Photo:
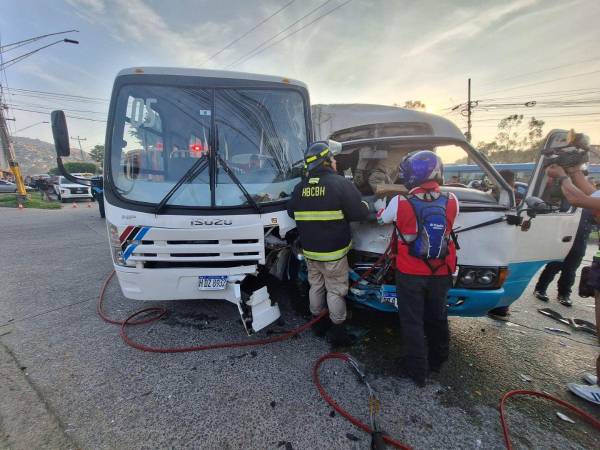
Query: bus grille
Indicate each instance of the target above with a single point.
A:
(161, 247)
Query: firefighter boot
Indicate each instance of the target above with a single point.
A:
(338, 336)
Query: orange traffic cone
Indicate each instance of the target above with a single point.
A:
(74, 205)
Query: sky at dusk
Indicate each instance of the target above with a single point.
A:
(378, 51)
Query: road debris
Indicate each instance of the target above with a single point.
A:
(557, 330)
(564, 417)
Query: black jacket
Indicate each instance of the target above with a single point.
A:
(323, 205)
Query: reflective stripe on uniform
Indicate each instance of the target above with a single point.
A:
(320, 155)
(319, 215)
(327, 256)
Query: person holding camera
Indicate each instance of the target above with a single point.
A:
(568, 267)
(581, 193)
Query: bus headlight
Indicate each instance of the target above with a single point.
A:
(115, 245)
(470, 277)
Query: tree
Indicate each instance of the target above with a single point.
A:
(97, 153)
(76, 167)
(415, 104)
(508, 132)
(535, 135)
(513, 144)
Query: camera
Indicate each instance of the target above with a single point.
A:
(574, 152)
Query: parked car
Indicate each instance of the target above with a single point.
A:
(67, 190)
(10, 187)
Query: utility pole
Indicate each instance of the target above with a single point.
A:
(9, 154)
(79, 139)
(468, 133)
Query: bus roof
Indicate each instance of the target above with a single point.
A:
(207, 73)
(328, 119)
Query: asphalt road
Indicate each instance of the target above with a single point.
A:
(84, 388)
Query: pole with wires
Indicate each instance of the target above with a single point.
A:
(79, 139)
(9, 154)
(468, 133)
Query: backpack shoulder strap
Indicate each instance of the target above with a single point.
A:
(408, 198)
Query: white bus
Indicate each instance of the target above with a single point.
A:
(199, 165)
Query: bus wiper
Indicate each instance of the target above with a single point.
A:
(239, 184)
(191, 173)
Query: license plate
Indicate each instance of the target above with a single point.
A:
(212, 282)
(390, 299)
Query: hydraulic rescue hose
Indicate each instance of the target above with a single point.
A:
(341, 411)
(588, 418)
(156, 313)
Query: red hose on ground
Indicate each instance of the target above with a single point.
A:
(595, 423)
(160, 312)
(156, 313)
(341, 411)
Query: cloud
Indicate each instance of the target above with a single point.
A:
(136, 23)
(530, 15)
(471, 26)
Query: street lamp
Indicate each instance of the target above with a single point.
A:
(15, 45)
(5, 142)
(10, 62)
(32, 125)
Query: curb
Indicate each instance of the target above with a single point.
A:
(26, 420)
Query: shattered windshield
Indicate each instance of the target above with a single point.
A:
(159, 132)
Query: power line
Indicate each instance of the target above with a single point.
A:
(52, 108)
(246, 56)
(541, 71)
(15, 60)
(543, 82)
(54, 99)
(57, 94)
(70, 117)
(539, 117)
(3, 88)
(249, 31)
(566, 94)
(4, 48)
(299, 29)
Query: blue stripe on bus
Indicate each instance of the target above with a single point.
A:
(128, 251)
(141, 233)
(138, 237)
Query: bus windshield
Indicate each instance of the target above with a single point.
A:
(253, 137)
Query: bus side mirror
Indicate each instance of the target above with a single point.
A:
(60, 133)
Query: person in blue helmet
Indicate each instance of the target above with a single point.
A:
(425, 262)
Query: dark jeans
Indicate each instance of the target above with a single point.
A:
(567, 269)
(423, 315)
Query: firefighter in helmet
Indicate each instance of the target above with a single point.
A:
(323, 204)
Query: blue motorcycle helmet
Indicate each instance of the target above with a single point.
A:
(419, 167)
